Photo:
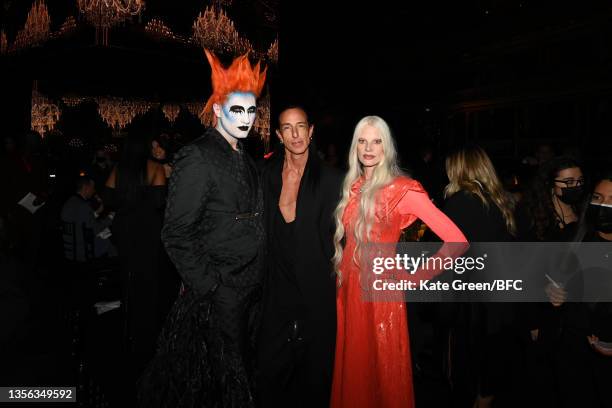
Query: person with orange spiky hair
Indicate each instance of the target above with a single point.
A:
(213, 232)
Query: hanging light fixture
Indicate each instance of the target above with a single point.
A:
(45, 114)
(215, 31)
(171, 112)
(105, 14)
(159, 29)
(36, 29)
(67, 27)
(76, 143)
(72, 101)
(195, 108)
(262, 123)
(3, 43)
(117, 113)
(272, 53)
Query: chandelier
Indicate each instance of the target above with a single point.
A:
(3, 43)
(76, 143)
(215, 31)
(36, 29)
(195, 108)
(67, 27)
(272, 53)
(262, 122)
(117, 113)
(44, 114)
(72, 101)
(171, 112)
(159, 29)
(104, 14)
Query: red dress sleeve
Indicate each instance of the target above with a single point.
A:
(415, 203)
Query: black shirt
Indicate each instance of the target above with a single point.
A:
(288, 299)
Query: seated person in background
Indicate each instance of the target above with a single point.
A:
(78, 212)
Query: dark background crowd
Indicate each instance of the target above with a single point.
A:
(530, 82)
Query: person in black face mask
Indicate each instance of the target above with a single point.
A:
(567, 194)
(599, 211)
(549, 210)
(583, 369)
(548, 213)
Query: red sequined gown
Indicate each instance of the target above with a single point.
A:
(372, 364)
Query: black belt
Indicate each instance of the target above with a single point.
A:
(244, 216)
(239, 216)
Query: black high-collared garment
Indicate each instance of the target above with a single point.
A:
(213, 229)
(213, 233)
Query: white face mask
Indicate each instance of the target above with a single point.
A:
(237, 115)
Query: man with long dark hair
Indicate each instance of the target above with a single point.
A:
(296, 346)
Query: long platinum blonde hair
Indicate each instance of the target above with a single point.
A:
(386, 170)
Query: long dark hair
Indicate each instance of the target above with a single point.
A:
(132, 166)
(538, 201)
(585, 225)
(169, 143)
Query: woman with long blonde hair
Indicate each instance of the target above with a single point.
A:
(478, 204)
(372, 363)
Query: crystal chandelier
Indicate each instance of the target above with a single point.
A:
(3, 43)
(36, 29)
(76, 143)
(215, 31)
(44, 114)
(72, 101)
(104, 14)
(171, 112)
(262, 122)
(272, 53)
(117, 113)
(195, 108)
(67, 27)
(157, 28)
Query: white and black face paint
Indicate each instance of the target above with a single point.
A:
(237, 114)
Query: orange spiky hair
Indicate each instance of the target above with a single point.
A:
(239, 77)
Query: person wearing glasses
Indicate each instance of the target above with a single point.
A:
(549, 212)
(583, 354)
(550, 207)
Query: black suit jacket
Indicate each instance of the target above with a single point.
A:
(213, 229)
(318, 196)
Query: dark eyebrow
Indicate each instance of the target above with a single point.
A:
(297, 123)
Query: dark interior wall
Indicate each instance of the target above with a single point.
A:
(16, 112)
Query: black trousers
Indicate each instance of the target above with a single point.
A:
(294, 366)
